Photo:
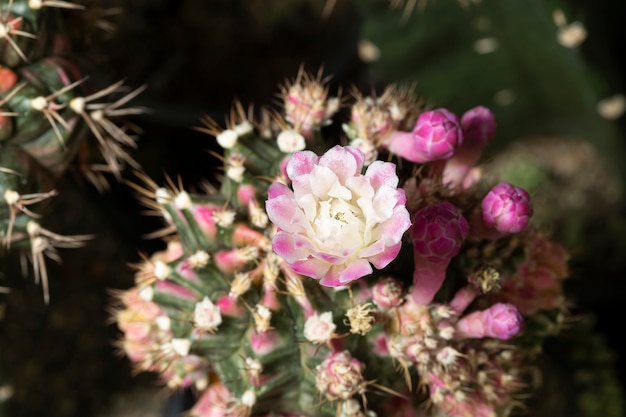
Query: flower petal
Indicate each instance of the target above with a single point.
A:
(301, 163)
(291, 247)
(342, 162)
(314, 268)
(382, 173)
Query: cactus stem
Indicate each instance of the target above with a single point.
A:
(8, 28)
(16, 202)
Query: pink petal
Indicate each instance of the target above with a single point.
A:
(314, 268)
(284, 213)
(340, 275)
(301, 163)
(342, 162)
(278, 189)
(382, 173)
(393, 229)
(384, 258)
(292, 247)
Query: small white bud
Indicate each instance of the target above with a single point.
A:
(244, 128)
(161, 270)
(319, 328)
(39, 103)
(290, 141)
(182, 201)
(248, 398)
(163, 196)
(224, 218)
(11, 197)
(235, 173)
(227, 139)
(207, 316)
(163, 323)
(146, 293)
(181, 346)
(199, 259)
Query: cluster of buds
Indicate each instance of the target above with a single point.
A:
(328, 282)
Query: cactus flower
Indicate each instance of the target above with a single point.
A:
(437, 233)
(501, 320)
(336, 221)
(436, 135)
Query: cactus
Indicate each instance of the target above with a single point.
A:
(49, 118)
(320, 279)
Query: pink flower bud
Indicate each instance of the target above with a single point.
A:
(436, 136)
(245, 194)
(387, 293)
(479, 126)
(438, 232)
(264, 342)
(501, 321)
(203, 214)
(506, 208)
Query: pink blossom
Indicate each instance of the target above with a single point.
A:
(335, 221)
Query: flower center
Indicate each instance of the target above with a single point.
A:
(338, 224)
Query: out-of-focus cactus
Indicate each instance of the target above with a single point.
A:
(48, 117)
(323, 280)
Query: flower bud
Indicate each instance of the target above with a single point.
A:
(479, 126)
(506, 208)
(501, 321)
(435, 137)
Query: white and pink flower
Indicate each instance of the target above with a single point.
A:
(336, 221)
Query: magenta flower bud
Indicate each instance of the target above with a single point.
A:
(479, 126)
(506, 208)
(501, 321)
(437, 233)
(436, 136)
